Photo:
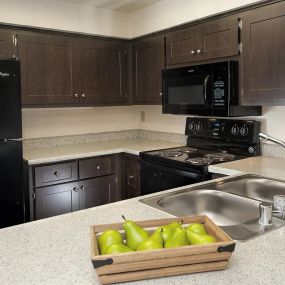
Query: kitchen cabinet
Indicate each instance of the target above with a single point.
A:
(131, 176)
(7, 43)
(102, 71)
(212, 39)
(263, 57)
(65, 187)
(65, 70)
(148, 61)
(48, 69)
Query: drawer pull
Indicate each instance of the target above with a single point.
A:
(56, 173)
(75, 189)
(83, 188)
(98, 167)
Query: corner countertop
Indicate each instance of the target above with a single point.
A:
(57, 251)
(259, 165)
(42, 155)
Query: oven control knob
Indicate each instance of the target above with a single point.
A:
(199, 127)
(234, 130)
(192, 126)
(244, 130)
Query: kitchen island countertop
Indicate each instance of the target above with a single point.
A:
(57, 251)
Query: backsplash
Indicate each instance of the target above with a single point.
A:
(267, 148)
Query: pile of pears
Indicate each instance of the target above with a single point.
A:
(138, 239)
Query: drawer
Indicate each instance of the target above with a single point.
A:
(55, 173)
(96, 166)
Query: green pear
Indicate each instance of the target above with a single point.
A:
(107, 238)
(134, 234)
(197, 228)
(195, 238)
(179, 238)
(168, 230)
(155, 241)
(117, 248)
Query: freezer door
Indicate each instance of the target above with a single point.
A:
(10, 100)
(11, 184)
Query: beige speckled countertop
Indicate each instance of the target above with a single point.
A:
(74, 151)
(57, 251)
(260, 165)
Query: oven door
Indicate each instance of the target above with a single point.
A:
(187, 91)
(155, 177)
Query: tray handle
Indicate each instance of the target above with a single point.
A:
(100, 263)
(227, 248)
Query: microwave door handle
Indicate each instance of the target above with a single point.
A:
(205, 89)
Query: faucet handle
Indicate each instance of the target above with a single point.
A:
(265, 213)
(279, 202)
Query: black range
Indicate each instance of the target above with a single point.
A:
(209, 141)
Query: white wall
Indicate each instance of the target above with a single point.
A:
(168, 13)
(73, 121)
(59, 15)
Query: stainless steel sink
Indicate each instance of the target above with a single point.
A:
(253, 187)
(232, 203)
(225, 209)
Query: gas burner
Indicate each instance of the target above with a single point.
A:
(199, 161)
(170, 153)
(220, 156)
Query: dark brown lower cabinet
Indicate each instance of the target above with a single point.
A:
(131, 176)
(56, 200)
(97, 191)
(70, 197)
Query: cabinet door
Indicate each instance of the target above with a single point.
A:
(263, 56)
(56, 200)
(149, 60)
(7, 47)
(218, 38)
(131, 173)
(48, 72)
(97, 191)
(102, 72)
(181, 46)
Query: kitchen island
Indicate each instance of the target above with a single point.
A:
(57, 251)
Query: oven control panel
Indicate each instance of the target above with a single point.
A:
(225, 129)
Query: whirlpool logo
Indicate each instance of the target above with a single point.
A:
(4, 74)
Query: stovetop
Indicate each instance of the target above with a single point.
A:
(210, 141)
(192, 156)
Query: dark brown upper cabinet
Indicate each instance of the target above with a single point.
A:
(148, 61)
(263, 56)
(213, 39)
(7, 43)
(48, 69)
(102, 72)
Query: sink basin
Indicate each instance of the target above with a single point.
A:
(253, 187)
(225, 209)
(232, 203)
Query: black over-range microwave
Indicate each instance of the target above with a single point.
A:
(205, 90)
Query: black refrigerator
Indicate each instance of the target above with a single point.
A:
(12, 205)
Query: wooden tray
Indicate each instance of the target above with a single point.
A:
(115, 268)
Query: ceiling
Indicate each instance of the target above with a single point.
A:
(124, 6)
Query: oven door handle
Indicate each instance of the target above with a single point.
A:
(205, 85)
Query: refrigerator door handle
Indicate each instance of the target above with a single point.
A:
(13, 140)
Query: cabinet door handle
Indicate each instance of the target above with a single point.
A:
(160, 94)
(193, 51)
(75, 189)
(56, 173)
(83, 188)
(98, 167)
(130, 179)
(199, 51)
(83, 95)
(76, 95)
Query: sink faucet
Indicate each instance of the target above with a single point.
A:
(269, 138)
